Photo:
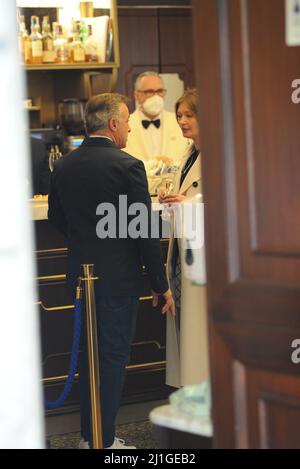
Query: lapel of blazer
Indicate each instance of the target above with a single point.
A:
(193, 175)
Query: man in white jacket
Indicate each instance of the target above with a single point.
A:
(154, 132)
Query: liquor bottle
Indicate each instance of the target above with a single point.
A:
(70, 40)
(109, 43)
(48, 43)
(27, 49)
(22, 37)
(55, 29)
(91, 47)
(83, 32)
(36, 41)
(77, 46)
(60, 46)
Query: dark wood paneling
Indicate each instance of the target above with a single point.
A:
(139, 46)
(274, 139)
(158, 39)
(175, 439)
(273, 409)
(266, 145)
(176, 44)
(250, 143)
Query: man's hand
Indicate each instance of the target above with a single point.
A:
(169, 302)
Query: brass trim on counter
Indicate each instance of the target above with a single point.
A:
(51, 277)
(141, 366)
(149, 342)
(54, 308)
(57, 379)
(144, 298)
(45, 251)
(145, 366)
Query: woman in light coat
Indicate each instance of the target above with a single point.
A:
(187, 335)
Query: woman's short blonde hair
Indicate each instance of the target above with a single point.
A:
(190, 98)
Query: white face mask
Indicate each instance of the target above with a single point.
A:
(153, 106)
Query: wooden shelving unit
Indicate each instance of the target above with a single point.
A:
(54, 82)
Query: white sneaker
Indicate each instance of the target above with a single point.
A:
(119, 444)
(83, 444)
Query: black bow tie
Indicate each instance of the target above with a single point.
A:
(146, 123)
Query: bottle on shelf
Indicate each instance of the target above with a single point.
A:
(91, 47)
(83, 32)
(70, 39)
(23, 39)
(48, 43)
(55, 29)
(36, 41)
(109, 44)
(78, 52)
(60, 46)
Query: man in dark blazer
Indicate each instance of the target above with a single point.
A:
(93, 176)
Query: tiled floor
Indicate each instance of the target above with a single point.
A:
(138, 434)
(69, 423)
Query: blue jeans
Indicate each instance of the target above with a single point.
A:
(116, 320)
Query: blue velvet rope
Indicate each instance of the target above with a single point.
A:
(73, 362)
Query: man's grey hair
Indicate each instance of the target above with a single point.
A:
(145, 74)
(100, 109)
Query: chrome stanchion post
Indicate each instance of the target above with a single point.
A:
(93, 356)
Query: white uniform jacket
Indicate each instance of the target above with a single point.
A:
(174, 145)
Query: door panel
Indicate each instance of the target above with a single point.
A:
(139, 46)
(176, 45)
(251, 147)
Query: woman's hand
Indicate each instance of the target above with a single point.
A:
(171, 198)
(169, 305)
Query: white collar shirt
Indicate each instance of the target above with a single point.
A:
(153, 136)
